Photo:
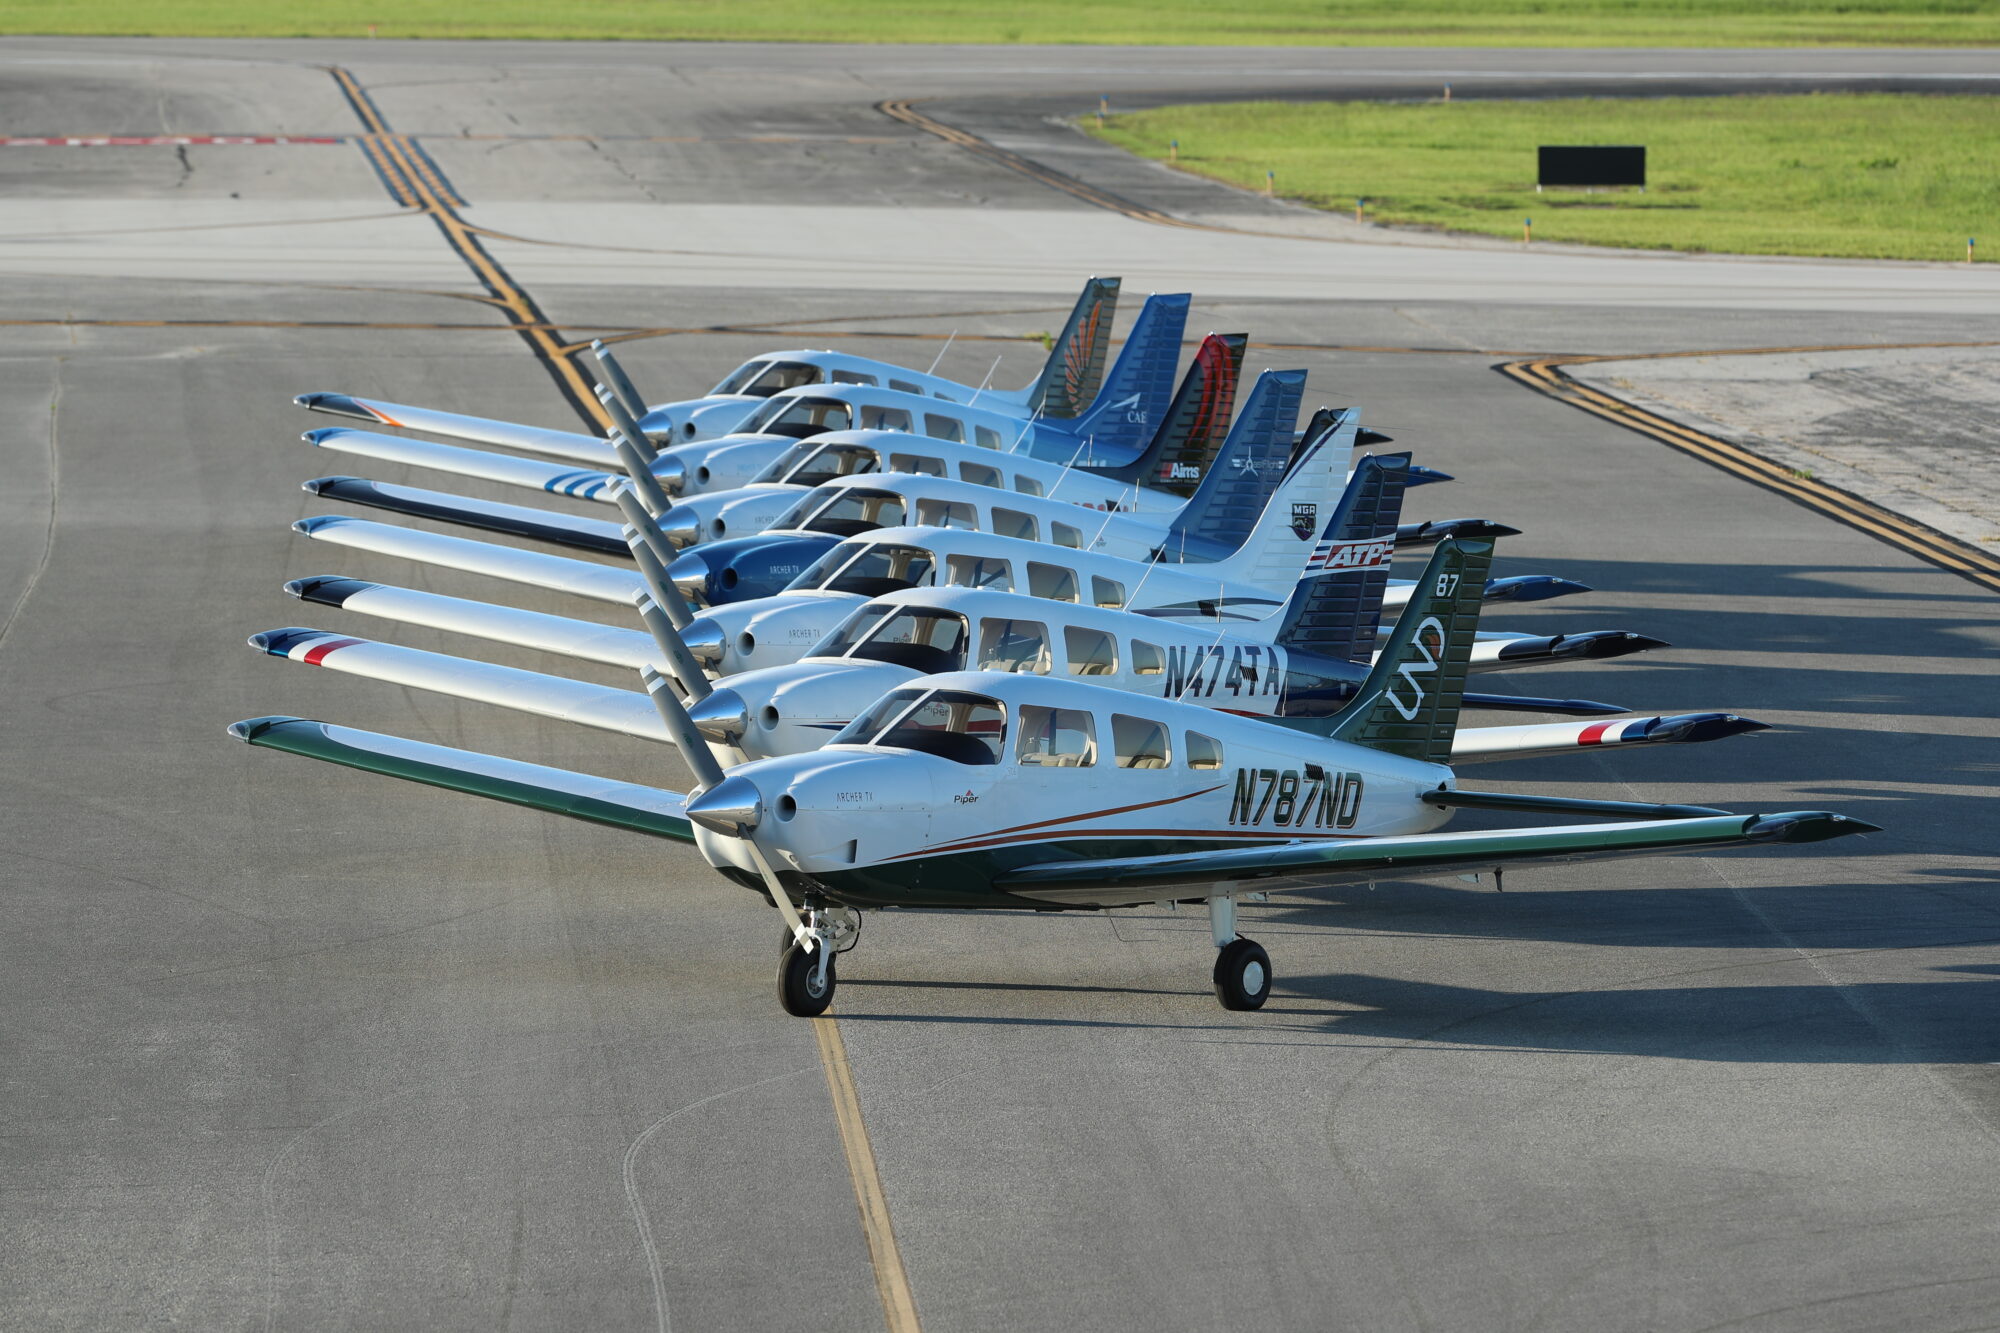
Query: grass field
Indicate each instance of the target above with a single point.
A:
(1882, 176)
(1262, 22)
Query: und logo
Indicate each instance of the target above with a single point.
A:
(1305, 520)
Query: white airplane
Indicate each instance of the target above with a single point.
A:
(989, 790)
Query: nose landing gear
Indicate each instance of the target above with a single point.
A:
(1242, 968)
(807, 978)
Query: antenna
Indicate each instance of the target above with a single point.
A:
(1026, 431)
(946, 348)
(1056, 485)
(988, 380)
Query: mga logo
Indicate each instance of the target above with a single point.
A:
(1180, 472)
(1305, 520)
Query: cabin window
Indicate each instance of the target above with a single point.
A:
(951, 724)
(1107, 593)
(884, 418)
(1014, 645)
(1139, 743)
(978, 571)
(1014, 523)
(806, 417)
(879, 569)
(925, 641)
(1056, 738)
(946, 514)
(1027, 486)
(738, 379)
(929, 467)
(1051, 581)
(940, 393)
(1147, 659)
(853, 377)
(1091, 652)
(944, 428)
(904, 386)
(1062, 534)
(986, 437)
(779, 376)
(833, 460)
(1203, 752)
(979, 474)
(852, 510)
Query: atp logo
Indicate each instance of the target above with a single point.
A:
(1429, 642)
(1305, 520)
(1358, 554)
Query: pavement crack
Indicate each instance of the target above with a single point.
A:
(49, 529)
(187, 167)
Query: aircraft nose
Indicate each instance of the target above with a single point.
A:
(672, 473)
(721, 717)
(680, 527)
(704, 639)
(732, 806)
(690, 574)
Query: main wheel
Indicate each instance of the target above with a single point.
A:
(1242, 975)
(799, 989)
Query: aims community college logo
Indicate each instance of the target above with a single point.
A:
(1305, 519)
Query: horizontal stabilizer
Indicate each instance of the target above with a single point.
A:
(528, 473)
(626, 711)
(582, 534)
(1473, 744)
(1532, 588)
(1427, 476)
(534, 569)
(1514, 703)
(1436, 530)
(558, 791)
(1599, 645)
(585, 639)
(568, 445)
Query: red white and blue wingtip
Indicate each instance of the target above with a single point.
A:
(1677, 729)
(300, 644)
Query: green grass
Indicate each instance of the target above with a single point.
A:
(1243, 22)
(1886, 176)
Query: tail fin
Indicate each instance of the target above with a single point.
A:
(1410, 702)
(1224, 508)
(1185, 445)
(1075, 368)
(1285, 531)
(1334, 610)
(1119, 421)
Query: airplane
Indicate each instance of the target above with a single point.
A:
(990, 790)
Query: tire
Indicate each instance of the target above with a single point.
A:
(795, 978)
(1242, 975)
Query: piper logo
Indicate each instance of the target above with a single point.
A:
(1357, 554)
(1305, 520)
(967, 799)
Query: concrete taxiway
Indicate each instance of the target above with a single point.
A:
(292, 1047)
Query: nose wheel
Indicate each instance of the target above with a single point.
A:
(806, 981)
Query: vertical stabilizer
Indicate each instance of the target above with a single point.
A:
(1120, 421)
(1191, 434)
(1335, 609)
(1074, 371)
(1224, 508)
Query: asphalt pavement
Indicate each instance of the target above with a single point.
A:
(293, 1047)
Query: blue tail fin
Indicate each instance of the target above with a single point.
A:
(1231, 497)
(1119, 423)
(1334, 610)
(1191, 433)
(1074, 371)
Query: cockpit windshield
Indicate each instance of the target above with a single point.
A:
(735, 380)
(849, 510)
(952, 724)
(870, 571)
(926, 641)
(780, 375)
(824, 464)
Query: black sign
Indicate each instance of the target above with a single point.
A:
(1591, 166)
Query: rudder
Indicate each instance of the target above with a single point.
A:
(1336, 607)
(1185, 446)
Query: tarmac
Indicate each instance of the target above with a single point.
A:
(293, 1047)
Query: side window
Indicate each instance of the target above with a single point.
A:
(986, 437)
(946, 514)
(1203, 751)
(1014, 523)
(929, 467)
(885, 418)
(1014, 645)
(976, 571)
(1091, 652)
(1027, 486)
(1062, 534)
(979, 474)
(940, 393)
(1147, 659)
(1107, 593)
(1051, 581)
(853, 377)
(944, 428)
(904, 386)
(1139, 743)
(1056, 738)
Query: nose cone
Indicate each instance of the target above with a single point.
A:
(690, 574)
(722, 717)
(704, 639)
(672, 473)
(731, 806)
(681, 527)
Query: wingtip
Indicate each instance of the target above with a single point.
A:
(280, 642)
(339, 404)
(311, 526)
(326, 589)
(1806, 826)
(250, 728)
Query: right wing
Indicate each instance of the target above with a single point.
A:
(585, 639)
(626, 805)
(557, 573)
(528, 473)
(576, 448)
(583, 534)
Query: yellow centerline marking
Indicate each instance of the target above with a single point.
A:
(892, 1281)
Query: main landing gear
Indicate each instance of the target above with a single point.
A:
(1242, 968)
(807, 978)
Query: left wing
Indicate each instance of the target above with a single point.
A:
(565, 444)
(529, 473)
(1123, 881)
(626, 805)
(1473, 744)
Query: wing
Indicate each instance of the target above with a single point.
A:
(626, 805)
(558, 573)
(586, 449)
(584, 639)
(528, 473)
(1472, 744)
(601, 706)
(583, 534)
(1138, 879)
